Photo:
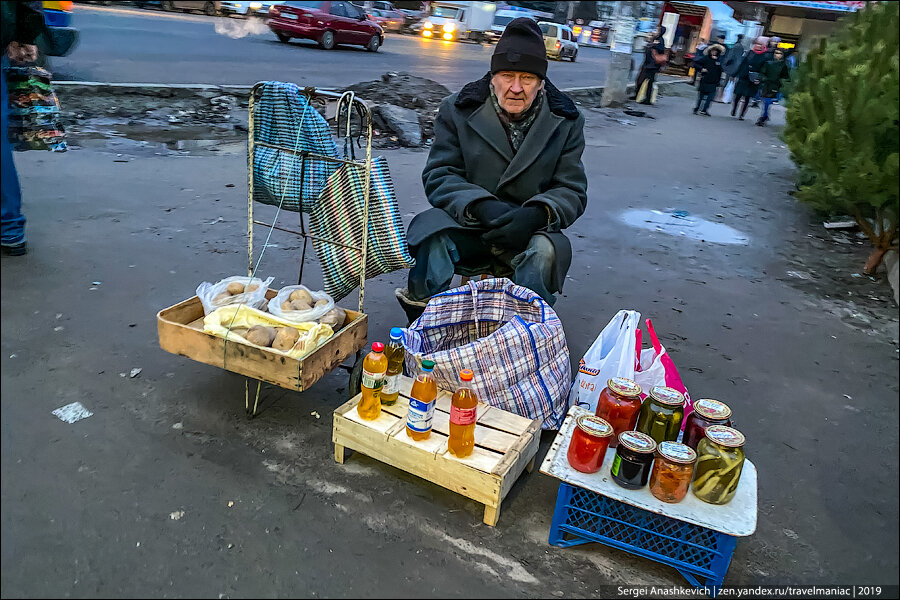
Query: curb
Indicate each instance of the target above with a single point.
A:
(207, 91)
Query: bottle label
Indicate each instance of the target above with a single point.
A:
(391, 385)
(614, 469)
(463, 416)
(373, 381)
(420, 415)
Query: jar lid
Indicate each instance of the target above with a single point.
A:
(676, 452)
(637, 441)
(725, 436)
(594, 426)
(622, 386)
(666, 395)
(712, 409)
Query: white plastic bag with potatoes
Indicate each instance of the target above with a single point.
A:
(233, 290)
(299, 304)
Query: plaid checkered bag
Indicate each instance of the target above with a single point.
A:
(338, 216)
(508, 335)
(281, 110)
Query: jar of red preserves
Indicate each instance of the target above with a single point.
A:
(587, 448)
(706, 412)
(619, 405)
(673, 470)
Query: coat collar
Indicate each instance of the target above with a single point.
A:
(476, 93)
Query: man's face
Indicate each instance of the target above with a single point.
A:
(516, 90)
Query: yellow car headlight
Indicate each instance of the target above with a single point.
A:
(255, 5)
(428, 25)
(449, 27)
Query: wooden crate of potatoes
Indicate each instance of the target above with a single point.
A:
(505, 445)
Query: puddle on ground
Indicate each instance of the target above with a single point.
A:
(681, 224)
(152, 139)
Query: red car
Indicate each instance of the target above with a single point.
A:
(328, 23)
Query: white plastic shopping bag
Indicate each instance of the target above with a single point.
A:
(728, 94)
(657, 368)
(611, 355)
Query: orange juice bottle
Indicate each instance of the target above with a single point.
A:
(421, 403)
(395, 354)
(462, 417)
(374, 366)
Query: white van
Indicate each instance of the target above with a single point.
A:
(502, 18)
(559, 41)
(452, 21)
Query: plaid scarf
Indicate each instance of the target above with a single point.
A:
(517, 129)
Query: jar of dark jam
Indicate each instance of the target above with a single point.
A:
(587, 448)
(633, 460)
(706, 412)
(661, 414)
(619, 405)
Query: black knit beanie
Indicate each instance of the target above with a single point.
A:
(521, 48)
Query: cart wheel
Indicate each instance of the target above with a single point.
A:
(355, 385)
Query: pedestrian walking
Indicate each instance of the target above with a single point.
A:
(731, 60)
(748, 76)
(771, 45)
(655, 56)
(773, 73)
(504, 177)
(710, 68)
(698, 54)
(22, 24)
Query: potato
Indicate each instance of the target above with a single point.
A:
(234, 288)
(286, 305)
(261, 335)
(301, 296)
(334, 317)
(285, 338)
(251, 288)
(321, 302)
(299, 305)
(221, 299)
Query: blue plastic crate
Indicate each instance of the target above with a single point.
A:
(700, 554)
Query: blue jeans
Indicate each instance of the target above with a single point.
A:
(12, 227)
(767, 104)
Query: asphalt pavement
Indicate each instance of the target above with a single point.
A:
(150, 46)
(167, 490)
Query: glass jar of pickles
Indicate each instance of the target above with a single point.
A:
(619, 405)
(661, 414)
(720, 458)
(633, 460)
(589, 442)
(706, 412)
(673, 468)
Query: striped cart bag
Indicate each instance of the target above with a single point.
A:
(338, 217)
(508, 335)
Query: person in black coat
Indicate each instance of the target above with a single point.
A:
(709, 67)
(748, 76)
(650, 68)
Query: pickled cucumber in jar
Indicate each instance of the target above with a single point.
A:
(720, 459)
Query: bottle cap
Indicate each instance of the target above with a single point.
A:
(377, 347)
(396, 333)
(666, 395)
(622, 386)
(712, 409)
(427, 365)
(466, 374)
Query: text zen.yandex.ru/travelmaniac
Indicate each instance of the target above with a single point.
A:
(775, 591)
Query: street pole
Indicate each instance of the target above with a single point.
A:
(617, 75)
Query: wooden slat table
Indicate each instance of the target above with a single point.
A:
(505, 445)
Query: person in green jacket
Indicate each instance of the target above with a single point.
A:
(772, 74)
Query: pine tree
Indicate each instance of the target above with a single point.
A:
(842, 125)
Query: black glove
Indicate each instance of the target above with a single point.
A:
(514, 229)
(487, 211)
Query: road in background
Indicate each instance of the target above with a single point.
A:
(148, 46)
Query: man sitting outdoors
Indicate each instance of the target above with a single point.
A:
(504, 176)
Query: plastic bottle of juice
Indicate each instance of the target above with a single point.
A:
(421, 403)
(462, 417)
(374, 366)
(395, 354)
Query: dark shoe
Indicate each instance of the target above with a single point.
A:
(740, 118)
(695, 111)
(754, 105)
(15, 249)
(412, 308)
(760, 123)
(704, 113)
